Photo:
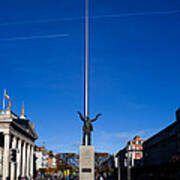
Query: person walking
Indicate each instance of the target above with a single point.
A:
(101, 178)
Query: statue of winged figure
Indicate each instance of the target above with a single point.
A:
(87, 128)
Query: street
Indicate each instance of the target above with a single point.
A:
(52, 178)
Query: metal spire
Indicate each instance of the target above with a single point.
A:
(86, 60)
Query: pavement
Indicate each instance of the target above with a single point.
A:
(52, 178)
(65, 179)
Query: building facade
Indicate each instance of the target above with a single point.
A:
(129, 157)
(41, 158)
(52, 160)
(17, 137)
(46, 161)
(163, 146)
(161, 159)
(132, 153)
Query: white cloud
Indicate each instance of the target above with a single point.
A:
(128, 135)
(112, 142)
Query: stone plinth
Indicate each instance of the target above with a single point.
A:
(86, 171)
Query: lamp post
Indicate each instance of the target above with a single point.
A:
(119, 168)
(128, 165)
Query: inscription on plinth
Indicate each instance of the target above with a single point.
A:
(86, 163)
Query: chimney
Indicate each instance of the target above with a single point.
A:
(178, 115)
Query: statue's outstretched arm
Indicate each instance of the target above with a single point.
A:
(80, 115)
(96, 118)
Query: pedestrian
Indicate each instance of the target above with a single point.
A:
(101, 178)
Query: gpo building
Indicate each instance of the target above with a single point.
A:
(17, 137)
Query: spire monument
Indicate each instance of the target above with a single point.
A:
(87, 155)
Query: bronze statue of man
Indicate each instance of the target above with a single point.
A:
(87, 128)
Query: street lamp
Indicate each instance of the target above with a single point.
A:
(128, 160)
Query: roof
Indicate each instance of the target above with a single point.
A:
(161, 132)
(23, 125)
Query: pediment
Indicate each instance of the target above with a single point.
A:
(31, 130)
(27, 126)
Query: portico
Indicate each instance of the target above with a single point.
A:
(16, 133)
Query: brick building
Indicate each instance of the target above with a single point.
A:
(132, 152)
(52, 160)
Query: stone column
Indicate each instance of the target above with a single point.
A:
(28, 160)
(19, 159)
(6, 156)
(12, 176)
(24, 160)
(32, 162)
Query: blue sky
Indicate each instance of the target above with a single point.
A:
(134, 67)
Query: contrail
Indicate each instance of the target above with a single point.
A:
(35, 37)
(41, 21)
(138, 14)
(93, 17)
